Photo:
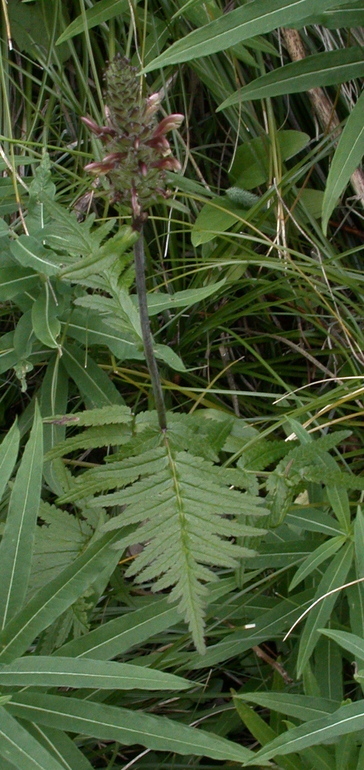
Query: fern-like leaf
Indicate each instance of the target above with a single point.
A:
(185, 512)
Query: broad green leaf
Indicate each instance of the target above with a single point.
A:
(21, 749)
(320, 554)
(37, 670)
(348, 155)
(8, 454)
(350, 642)
(168, 355)
(102, 11)
(238, 25)
(215, 218)
(119, 635)
(160, 301)
(252, 160)
(128, 727)
(16, 547)
(302, 707)
(347, 719)
(46, 325)
(86, 326)
(322, 69)
(31, 253)
(95, 386)
(53, 599)
(334, 576)
(15, 280)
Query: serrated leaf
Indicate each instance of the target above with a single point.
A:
(18, 539)
(240, 24)
(347, 157)
(128, 727)
(323, 69)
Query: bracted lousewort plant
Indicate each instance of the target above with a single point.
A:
(137, 156)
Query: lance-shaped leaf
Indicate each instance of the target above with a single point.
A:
(129, 727)
(323, 69)
(17, 543)
(8, 454)
(238, 25)
(31, 253)
(53, 599)
(22, 749)
(347, 719)
(41, 671)
(348, 155)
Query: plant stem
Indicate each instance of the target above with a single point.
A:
(146, 332)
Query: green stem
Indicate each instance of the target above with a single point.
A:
(146, 332)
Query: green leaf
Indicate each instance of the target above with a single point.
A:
(104, 10)
(215, 218)
(95, 386)
(53, 599)
(121, 634)
(350, 642)
(21, 749)
(241, 24)
(16, 547)
(251, 166)
(44, 671)
(323, 69)
(347, 158)
(313, 561)
(262, 732)
(180, 508)
(334, 576)
(313, 520)
(159, 301)
(8, 454)
(129, 727)
(31, 253)
(46, 325)
(347, 719)
(15, 280)
(302, 707)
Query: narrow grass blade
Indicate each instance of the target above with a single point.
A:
(38, 670)
(21, 749)
(304, 707)
(104, 10)
(49, 603)
(350, 642)
(263, 733)
(323, 69)
(238, 25)
(8, 454)
(17, 544)
(347, 719)
(129, 727)
(348, 155)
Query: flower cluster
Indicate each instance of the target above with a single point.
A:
(137, 150)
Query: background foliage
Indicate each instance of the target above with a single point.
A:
(254, 273)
